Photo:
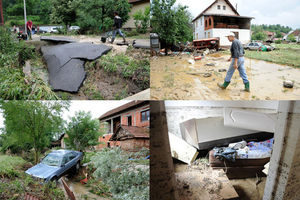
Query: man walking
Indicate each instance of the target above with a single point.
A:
(29, 29)
(117, 28)
(237, 62)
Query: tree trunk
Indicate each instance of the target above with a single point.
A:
(36, 156)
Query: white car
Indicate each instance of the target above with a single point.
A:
(74, 28)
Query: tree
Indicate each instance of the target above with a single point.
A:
(291, 38)
(278, 34)
(98, 15)
(261, 36)
(64, 11)
(31, 124)
(171, 23)
(142, 20)
(82, 132)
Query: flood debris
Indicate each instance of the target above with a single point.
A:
(66, 63)
(210, 64)
(288, 84)
(141, 44)
(206, 75)
(222, 70)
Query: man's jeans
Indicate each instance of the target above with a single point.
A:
(241, 68)
(117, 31)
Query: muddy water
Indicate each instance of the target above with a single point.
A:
(173, 77)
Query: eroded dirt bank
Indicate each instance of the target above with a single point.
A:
(174, 77)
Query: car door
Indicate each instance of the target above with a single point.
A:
(250, 46)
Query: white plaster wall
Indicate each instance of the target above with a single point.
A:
(214, 9)
(199, 29)
(244, 35)
(181, 111)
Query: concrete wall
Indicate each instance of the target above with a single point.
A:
(214, 9)
(136, 117)
(244, 35)
(134, 144)
(135, 7)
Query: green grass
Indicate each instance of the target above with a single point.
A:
(284, 55)
(287, 46)
(9, 164)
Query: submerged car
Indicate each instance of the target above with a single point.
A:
(56, 164)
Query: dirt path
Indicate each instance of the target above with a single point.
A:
(173, 77)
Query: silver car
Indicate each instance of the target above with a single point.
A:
(56, 164)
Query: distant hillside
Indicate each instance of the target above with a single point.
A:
(272, 28)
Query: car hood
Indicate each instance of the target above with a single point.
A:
(41, 170)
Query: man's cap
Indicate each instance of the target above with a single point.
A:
(230, 34)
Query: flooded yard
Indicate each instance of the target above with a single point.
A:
(177, 77)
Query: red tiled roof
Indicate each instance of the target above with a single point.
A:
(296, 33)
(121, 109)
(134, 132)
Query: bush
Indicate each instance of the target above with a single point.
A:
(142, 20)
(10, 164)
(126, 180)
(277, 41)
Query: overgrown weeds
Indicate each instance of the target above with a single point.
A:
(14, 84)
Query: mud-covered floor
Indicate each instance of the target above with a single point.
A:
(200, 182)
(173, 77)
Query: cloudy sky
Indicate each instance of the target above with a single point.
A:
(264, 11)
(97, 108)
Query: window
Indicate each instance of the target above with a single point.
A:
(196, 23)
(205, 35)
(129, 121)
(208, 34)
(219, 7)
(201, 21)
(197, 36)
(145, 115)
(224, 7)
(209, 22)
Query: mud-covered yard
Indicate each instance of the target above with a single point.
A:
(174, 77)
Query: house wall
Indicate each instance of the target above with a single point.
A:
(135, 7)
(134, 144)
(181, 111)
(244, 35)
(136, 117)
(214, 9)
(104, 140)
(199, 28)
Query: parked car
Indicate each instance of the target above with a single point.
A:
(74, 28)
(258, 46)
(56, 164)
(54, 29)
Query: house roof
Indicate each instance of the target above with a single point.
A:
(227, 1)
(133, 132)
(296, 32)
(121, 109)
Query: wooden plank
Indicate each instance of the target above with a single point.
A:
(68, 190)
(181, 150)
(210, 184)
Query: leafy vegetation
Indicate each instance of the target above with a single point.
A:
(97, 15)
(142, 20)
(272, 28)
(31, 125)
(14, 83)
(127, 67)
(15, 183)
(83, 131)
(173, 24)
(126, 179)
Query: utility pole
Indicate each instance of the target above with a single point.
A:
(25, 17)
(1, 14)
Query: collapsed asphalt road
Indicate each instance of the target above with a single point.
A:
(66, 63)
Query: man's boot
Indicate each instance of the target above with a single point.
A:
(112, 40)
(124, 40)
(224, 85)
(247, 87)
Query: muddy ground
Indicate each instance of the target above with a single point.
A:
(197, 182)
(98, 83)
(173, 77)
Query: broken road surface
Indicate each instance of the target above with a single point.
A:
(66, 63)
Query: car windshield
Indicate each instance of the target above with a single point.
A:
(52, 160)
